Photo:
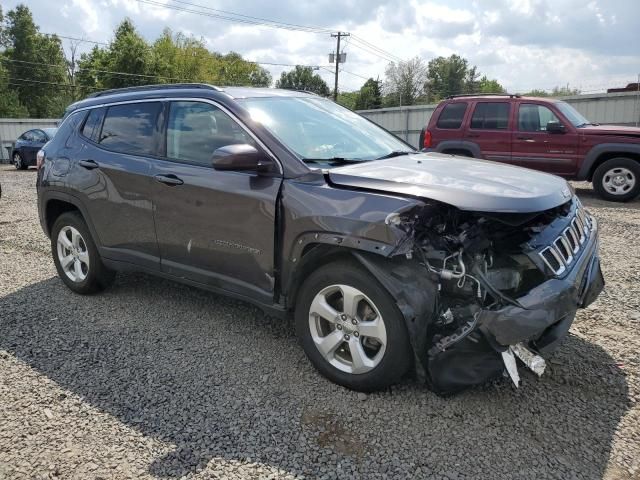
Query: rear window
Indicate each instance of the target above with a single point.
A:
(129, 128)
(452, 115)
(491, 116)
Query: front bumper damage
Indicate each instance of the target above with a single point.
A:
(484, 333)
(539, 324)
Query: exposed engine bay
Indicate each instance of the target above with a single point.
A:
(505, 287)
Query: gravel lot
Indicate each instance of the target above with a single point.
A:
(153, 379)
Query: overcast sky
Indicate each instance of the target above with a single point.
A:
(525, 44)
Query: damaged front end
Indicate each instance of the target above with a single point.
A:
(503, 286)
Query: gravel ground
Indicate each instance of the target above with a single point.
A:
(153, 379)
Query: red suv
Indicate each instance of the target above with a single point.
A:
(539, 133)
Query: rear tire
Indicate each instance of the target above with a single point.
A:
(18, 162)
(365, 347)
(617, 179)
(76, 257)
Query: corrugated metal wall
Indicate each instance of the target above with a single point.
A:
(12, 128)
(614, 108)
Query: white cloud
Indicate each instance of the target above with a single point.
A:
(522, 43)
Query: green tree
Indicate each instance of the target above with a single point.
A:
(35, 63)
(486, 85)
(447, 76)
(348, 99)
(564, 91)
(234, 70)
(453, 76)
(370, 95)
(555, 92)
(10, 106)
(303, 78)
(128, 52)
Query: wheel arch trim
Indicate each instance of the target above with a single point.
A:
(48, 196)
(591, 159)
(472, 147)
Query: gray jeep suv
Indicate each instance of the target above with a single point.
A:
(391, 261)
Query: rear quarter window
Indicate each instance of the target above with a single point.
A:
(452, 115)
(91, 126)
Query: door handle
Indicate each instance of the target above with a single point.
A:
(88, 164)
(528, 139)
(169, 179)
(473, 135)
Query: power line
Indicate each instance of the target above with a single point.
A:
(108, 72)
(247, 19)
(66, 85)
(265, 21)
(229, 18)
(184, 54)
(354, 74)
(373, 47)
(374, 53)
(82, 40)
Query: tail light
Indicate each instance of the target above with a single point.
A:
(40, 159)
(428, 141)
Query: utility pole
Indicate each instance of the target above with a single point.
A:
(339, 60)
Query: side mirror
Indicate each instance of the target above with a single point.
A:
(555, 127)
(241, 157)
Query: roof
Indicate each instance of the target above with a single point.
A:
(254, 92)
(182, 89)
(492, 97)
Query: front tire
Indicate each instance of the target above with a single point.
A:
(351, 329)
(76, 257)
(18, 162)
(617, 179)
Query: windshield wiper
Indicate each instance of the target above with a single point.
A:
(395, 153)
(336, 160)
(587, 124)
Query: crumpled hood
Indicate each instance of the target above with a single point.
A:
(610, 130)
(468, 184)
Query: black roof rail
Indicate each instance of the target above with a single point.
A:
(511, 95)
(142, 88)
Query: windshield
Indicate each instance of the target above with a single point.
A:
(575, 117)
(317, 129)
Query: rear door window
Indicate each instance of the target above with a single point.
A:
(131, 128)
(452, 115)
(491, 116)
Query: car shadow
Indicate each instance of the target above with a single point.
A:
(220, 381)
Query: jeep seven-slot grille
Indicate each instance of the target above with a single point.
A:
(565, 249)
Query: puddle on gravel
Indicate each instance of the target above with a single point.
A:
(331, 433)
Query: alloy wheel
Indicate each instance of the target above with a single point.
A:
(347, 329)
(73, 254)
(17, 161)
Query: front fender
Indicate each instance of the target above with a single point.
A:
(317, 213)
